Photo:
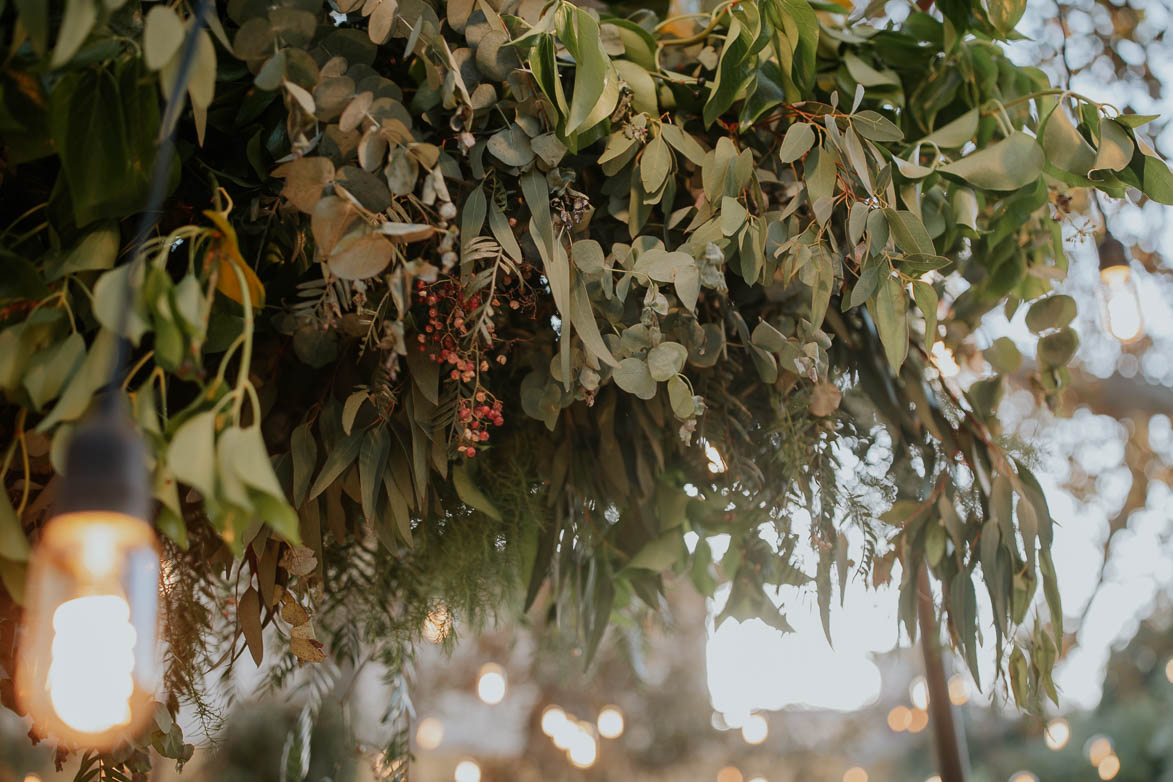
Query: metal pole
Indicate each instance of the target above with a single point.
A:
(950, 764)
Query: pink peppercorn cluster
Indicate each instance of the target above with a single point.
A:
(474, 415)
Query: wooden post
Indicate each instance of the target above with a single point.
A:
(950, 764)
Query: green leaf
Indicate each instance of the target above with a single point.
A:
(579, 33)
(93, 373)
(733, 215)
(471, 495)
(799, 138)
(875, 126)
(48, 370)
(1053, 312)
(633, 376)
(1019, 677)
(303, 450)
(582, 315)
(666, 360)
(733, 75)
(890, 310)
(249, 461)
(874, 270)
(954, 134)
(680, 398)
(822, 286)
(1116, 147)
(660, 553)
(162, 35)
(909, 232)
(191, 455)
(511, 146)
(76, 23)
(338, 458)
(1157, 180)
(14, 545)
(683, 142)
(655, 164)
(867, 75)
(1007, 165)
(1065, 145)
(1005, 14)
(373, 455)
(1055, 350)
(926, 301)
(1003, 356)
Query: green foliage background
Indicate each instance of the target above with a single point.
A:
(451, 302)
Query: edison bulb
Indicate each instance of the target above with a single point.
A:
(88, 669)
(1120, 304)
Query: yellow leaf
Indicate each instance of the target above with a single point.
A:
(229, 260)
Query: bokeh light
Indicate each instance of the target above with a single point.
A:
(467, 771)
(920, 721)
(1057, 734)
(1098, 748)
(553, 720)
(1023, 776)
(729, 774)
(430, 733)
(1109, 767)
(755, 729)
(610, 722)
(491, 684)
(918, 693)
(437, 625)
(958, 690)
(855, 774)
(900, 718)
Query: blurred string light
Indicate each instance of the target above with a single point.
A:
(1109, 767)
(758, 779)
(1057, 734)
(32, 778)
(1119, 299)
(430, 733)
(958, 690)
(610, 722)
(467, 771)
(553, 720)
(933, 778)
(900, 718)
(918, 692)
(755, 730)
(729, 774)
(1169, 670)
(1098, 748)
(855, 774)
(920, 721)
(437, 625)
(1023, 776)
(584, 749)
(491, 684)
(944, 361)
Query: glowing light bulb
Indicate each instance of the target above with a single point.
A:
(1109, 767)
(90, 684)
(1120, 304)
(430, 733)
(553, 720)
(958, 690)
(855, 774)
(918, 692)
(755, 729)
(467, 771)
(1057, 734)
(944, 361)
(584, 750)
(1098, 748)
(491, 684)
(610, 722)
(88, 669)
(32, 778)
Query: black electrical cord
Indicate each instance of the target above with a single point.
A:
(157, 191)
(105, 466)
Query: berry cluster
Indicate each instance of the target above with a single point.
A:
(474, 415)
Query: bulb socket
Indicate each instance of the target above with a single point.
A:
(1112, 252)
(105, 469)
